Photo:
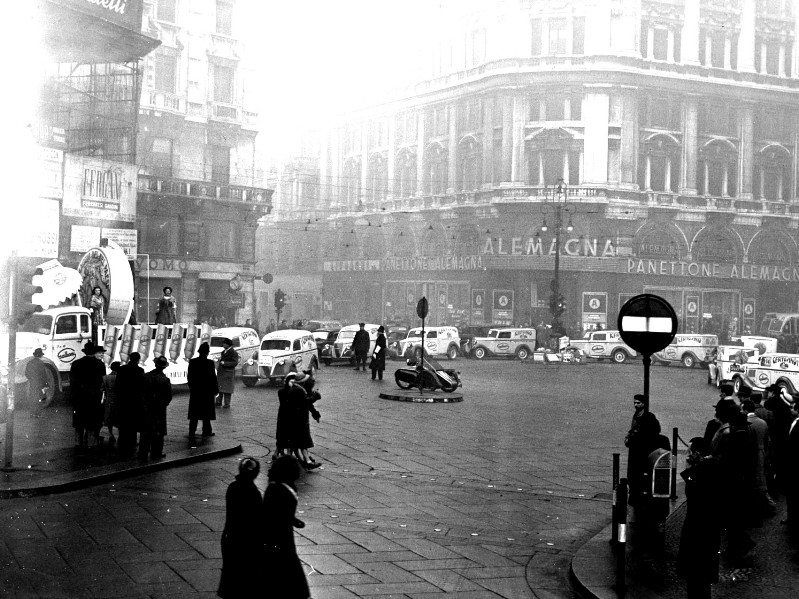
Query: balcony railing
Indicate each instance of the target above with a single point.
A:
(225, 112)
(205, 190)
(704, 203)
(164, 101)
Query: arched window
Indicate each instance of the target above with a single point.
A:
(405, 183)
(378, 178)
(351, 182)
(436, 165)
(717, 169)
(772, 178)
(660, 164)
(470, 165)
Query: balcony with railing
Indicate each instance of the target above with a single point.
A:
(151, 185)
(163, 101)
(226, 112)
(707, 203)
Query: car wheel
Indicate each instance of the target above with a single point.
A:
(688, 361)
(522, 353)
(400, 383)
(249, 381)
(619, 356)
(479, 353)
(737, 384)
(313, 368)
(452, 353)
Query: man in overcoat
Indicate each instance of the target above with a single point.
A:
(360, 346)
(203, 389)
(86, 383)
(225, 373)
(128, 401)
(378, 364)
(157, 396)
(38, 381)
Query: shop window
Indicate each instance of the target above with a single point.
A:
(557, 36)
(166, 10)
(166, 67)
(223, 84)
(224, 17)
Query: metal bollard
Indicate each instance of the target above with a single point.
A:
(614, 530)
(674, 437)
(621, 547)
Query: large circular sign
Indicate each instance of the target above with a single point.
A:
(422, 308)
(108, 268)
(647, 323)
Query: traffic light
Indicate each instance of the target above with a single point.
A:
(28, 295)
(280, 300)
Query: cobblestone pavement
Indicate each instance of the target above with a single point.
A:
(486, 498)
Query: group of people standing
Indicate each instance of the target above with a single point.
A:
(746, 457)
(360, 348)
(295, 407)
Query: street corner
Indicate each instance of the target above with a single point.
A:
(416, 396)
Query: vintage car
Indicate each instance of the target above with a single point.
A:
(439, 341)
(245, 342)
(341, 349)
(768, 369)
(688, 349)
(281, 352)
(324, 337)
(731, 359)
(599, 345)
(395, 334)
(509, 343)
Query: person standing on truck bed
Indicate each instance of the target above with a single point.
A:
(166, 308)
(86, 387)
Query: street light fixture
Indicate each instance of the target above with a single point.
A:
(558, 203)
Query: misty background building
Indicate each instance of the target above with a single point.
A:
(672, 125)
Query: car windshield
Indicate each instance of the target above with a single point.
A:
(415, 333)
(218, 341)
(276, 344)
(776, 324)
(38, 323)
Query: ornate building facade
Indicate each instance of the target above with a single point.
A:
(663, 138)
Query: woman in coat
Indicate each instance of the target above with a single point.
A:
(378, 364)
(225, 373)
(286, 415)
(304, 406)
(165, 314)
(285, 575)
(242, 538)
(203, 390)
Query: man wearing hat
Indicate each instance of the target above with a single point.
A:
(641, 440)
(86, 388)
(157, 396)
(203, 389)
(38, 383)
(360, 346)
(129, 404)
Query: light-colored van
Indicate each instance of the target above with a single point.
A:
(688, 349)
(341, 349)
(599, 345)
(769, 369)
(732, 359)
(505, 343)
(281, 352)
(438, 341)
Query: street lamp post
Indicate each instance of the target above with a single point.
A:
(558, 204)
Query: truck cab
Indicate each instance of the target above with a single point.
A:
(601, 345)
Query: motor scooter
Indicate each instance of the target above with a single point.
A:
(432, 375)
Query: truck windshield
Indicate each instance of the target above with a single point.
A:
(774, 325)
(38, 323)
(276, 344)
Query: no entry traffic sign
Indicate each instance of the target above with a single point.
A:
(647, 323)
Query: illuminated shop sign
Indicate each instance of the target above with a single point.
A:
(536, 246)
(712, 270)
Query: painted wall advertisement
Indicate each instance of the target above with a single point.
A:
(503, 307)
(101, 189)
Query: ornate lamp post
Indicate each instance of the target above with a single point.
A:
(558, 203)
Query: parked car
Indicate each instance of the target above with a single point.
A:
(341, 349)
(688, 349)
(394, 336)
(324, 337)
(245, 342)
(439, 341)
(508, 342)
(600, 345)
(281, 352)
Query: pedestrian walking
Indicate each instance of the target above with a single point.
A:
(284, 572)
(166, 312)
(641, 440)
(86, 387)
(157, 396)
(302, 440)
(700, 539)
(38, 380)
(203, 389)
(378, 364)
(109, 401)
(360, 347)
(129, 404)
(287, 397)
(225, 373)
(243, 535)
